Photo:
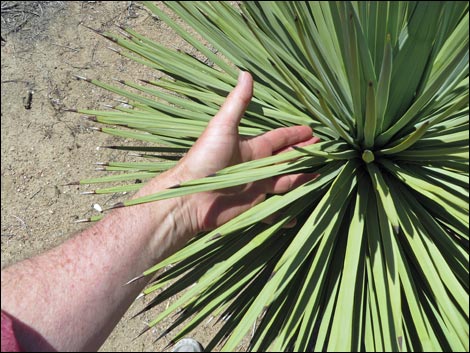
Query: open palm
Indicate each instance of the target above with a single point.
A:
(221, 146)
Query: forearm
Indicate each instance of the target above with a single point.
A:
(73, 295)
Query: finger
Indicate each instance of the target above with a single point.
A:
(285, 137)
(277, 217)
(235, 105)
(310, 141)
(285, 183)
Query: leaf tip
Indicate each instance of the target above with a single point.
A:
(135, 279)
(114, 50)
(169, 345)
(83, 220)
(91, 29)
(117, 205)
(216, 236)
(72, 183)
(396, 229)
(82, 78)
(145, 329)
(90, 118)
(140, 296)
(120, 26)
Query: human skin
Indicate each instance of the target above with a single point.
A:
(71, 297)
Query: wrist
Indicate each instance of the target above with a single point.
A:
(172, 222)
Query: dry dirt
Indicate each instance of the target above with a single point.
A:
(44, 44)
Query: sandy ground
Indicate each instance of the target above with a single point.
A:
(44, 44)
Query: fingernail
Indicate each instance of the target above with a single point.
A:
(241, 73)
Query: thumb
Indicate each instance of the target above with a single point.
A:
(234, 107)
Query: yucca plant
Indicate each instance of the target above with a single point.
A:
(379, 258)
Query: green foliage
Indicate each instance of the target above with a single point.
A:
(378, 260)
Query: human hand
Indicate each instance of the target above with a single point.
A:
(221, 146)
